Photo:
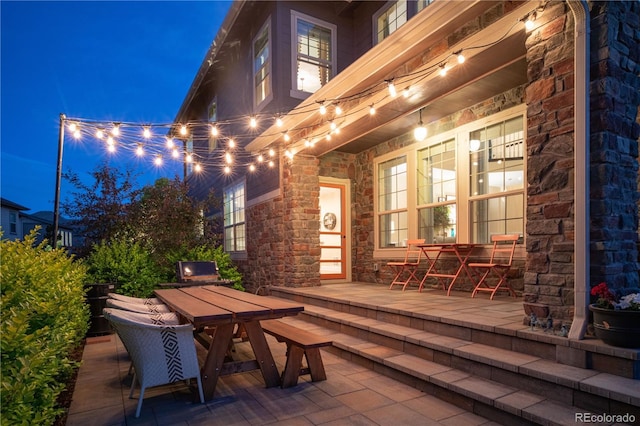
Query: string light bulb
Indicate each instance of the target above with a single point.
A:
(214, 130)
(252, 167)
(529, 22)
(183, 130)
(175, 153)
(228, 158)
(406, 92)
(253, 122)
(271, 152)
(197, 167)
(188, 158)
(460, 57)
(372, 110)
(443, 70)
(231, 143)
(170, 143)
(146, 132)
(227, 170)
(338, 110)
(260, 158)
(286, 137)
(279, 121)
(392, 88)
(140, 150)
(323, 109)
(99, 133)
(158, 160)
(115, 130)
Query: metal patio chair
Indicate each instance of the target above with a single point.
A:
(499, 263)
(406, 270)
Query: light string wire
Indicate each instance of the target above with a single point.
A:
(183, 142)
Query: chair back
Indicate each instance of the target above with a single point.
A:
(160, 353)
(137, 307)
(414, 252)
(129, 299)
(504, 247)
(160, 318)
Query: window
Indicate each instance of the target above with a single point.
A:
(234, 221)
(496, 181)
(392, 202)
(437, 192)
(212, 113)
(462, 185)
(421, 4)
(13, 223)
(314, 46)
(390, 19)
(262, 65)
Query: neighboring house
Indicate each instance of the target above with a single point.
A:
(16, 224)
(535, 133)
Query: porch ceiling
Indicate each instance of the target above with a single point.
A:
(489, 70)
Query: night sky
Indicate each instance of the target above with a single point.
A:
(116, 61)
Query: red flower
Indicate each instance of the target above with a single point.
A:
(605, 298)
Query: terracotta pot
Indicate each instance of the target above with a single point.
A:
(617, 328)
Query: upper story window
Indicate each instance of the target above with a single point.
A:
(234, 218)
(314, 52)
(421, 4)
(389, 19)
(262, 65)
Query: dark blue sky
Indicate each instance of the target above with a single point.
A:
(108, 61)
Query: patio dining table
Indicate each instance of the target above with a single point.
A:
(432, 253)
(224, 308)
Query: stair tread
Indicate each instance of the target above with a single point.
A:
(591, 381)
(507, 398)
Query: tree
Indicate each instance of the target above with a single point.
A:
(100, 211)
(168, 221)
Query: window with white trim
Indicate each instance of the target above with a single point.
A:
(462, 185)
(389, 19)
(13, 223)
(421, 4)
(392, 202)
(437, 192)
(234, 218)
(262, 65)
(314, 46)
(496, 182)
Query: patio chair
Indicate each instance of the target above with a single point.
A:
(499, 263)
(137, 307)
(161, 353)
(406, 270)
(129, 299)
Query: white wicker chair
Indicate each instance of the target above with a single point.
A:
(137, 307)
(159, 318)
(129, 299)
(161, 354)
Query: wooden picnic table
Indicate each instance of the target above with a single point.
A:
(223, 308)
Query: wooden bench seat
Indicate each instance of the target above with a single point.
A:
(299, 342)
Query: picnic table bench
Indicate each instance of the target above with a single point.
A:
(299, 342)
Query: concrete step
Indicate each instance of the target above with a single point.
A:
(508, 386)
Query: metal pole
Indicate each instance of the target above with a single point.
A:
(56, 202)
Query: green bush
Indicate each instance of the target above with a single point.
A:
(227, 269)
(44, 318)
(127, 264)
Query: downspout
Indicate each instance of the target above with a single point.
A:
(581, 63)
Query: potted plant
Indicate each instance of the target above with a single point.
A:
(616, 319)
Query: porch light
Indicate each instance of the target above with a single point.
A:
(420, 132)
(474, 145)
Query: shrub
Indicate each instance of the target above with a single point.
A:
(44, 318)
(127, 264)
(227, 269)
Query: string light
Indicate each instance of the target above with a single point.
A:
(158, 160)
(79, 127)
(420, 132)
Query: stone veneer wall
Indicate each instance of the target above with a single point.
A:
(549, 279)
(615, 101)
(549, 276)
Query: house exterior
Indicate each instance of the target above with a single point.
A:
(16, 224)
(303, 116)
